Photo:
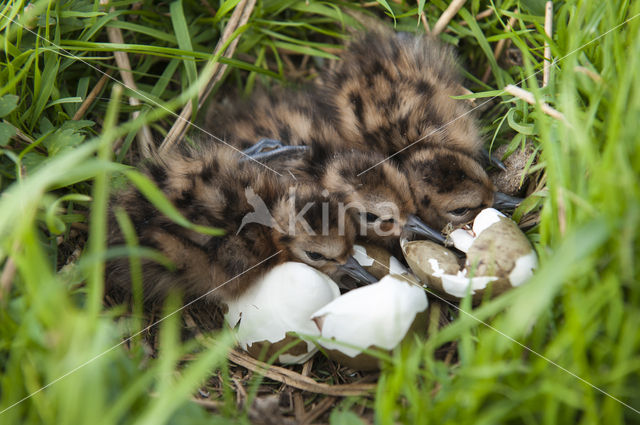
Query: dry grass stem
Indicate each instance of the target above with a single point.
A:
(589, 73)
(423, 18)
(207, 6)
(318, 410)
(208, 404)
(92, 96)
(483, 14)
(530, 99)
(144, 136)
(478, 17)
(18, 133)
(307, 367)
(447, 16)
(298, 407)
(241, 394)
(296, 380)
(240, 16)
(548, 29)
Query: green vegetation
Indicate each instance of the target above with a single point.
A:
(562, 349)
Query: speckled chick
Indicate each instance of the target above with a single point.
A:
(210, 187)
(381, 200)
(393, 94)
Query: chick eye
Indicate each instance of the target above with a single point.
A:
(459, 211)
(371, 217)
(390, 220)
(315, 256)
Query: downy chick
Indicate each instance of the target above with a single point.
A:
(381, 200)
(293, 117)
(392, 93)
(267, 221)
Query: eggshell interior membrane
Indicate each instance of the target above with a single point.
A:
(376, 315)
(281, 302)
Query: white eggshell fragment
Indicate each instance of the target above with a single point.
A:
(499, 257)
(281, 302)
(462, 239)
(485, 219)
(377, 315)
(458, 285)
(523, 269)
(360, 254)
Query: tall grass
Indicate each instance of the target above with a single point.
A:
(562, 349)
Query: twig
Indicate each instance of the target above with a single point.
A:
(447, 16)
(298, 407)
(320, 408)
(530, 99)
(239, 17)
(465, 91)
(548, 29)
(478, 17)
(482, 15)
(19, 134)
(297, 380)
(307, 367)
(499, 48)
(208, 404)
(207, 6)
(241, 394)
(91, 96)
(144, 136)
(331, 50)
(450, 352)
(423, 18)
(589, 73)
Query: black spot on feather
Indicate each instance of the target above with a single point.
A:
(358, 109)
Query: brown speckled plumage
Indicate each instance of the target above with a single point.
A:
(389, 97)
(328, 162)
(393, 94)
(208, 186)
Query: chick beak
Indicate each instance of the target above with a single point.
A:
(417, 226)
(503, 201)
(492, 160)
(356, 271)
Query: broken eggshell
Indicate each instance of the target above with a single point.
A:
(280, 303)
(499, 256)
(378, 315)
(377, 261)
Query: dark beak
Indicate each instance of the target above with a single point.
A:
(356, 271)
(502, 201)
(417, 226)
(492, 160)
